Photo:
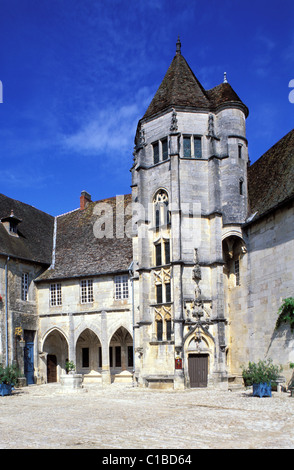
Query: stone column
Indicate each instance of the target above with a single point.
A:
(106, 375)
(71, 340)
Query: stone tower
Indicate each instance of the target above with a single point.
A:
(189, 188)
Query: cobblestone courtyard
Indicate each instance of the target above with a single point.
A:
(123, 417)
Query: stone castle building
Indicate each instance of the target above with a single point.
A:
(179, 282)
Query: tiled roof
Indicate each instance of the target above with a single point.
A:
(80, 253)
(223, 94)
(181, 89)
(271, 178)
(35, 232)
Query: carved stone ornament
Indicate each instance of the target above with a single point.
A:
(174, 122)
(211, 126)
(142, 140)
(196, 270)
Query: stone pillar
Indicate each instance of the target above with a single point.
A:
(106, 375)
(71, 341)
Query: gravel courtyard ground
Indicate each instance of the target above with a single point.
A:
(124, 417)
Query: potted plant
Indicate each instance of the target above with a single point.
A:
(260, 375)
(70, 367)
(8, 378)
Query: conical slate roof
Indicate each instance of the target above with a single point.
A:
(181, 89)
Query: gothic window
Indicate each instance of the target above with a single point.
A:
(197, 147)
(168, 329)
(87, 291)
(159, 294)
(158, 260)
(167, 292)
(167, 251)
(161, 212)
(187, 146)
(162, 252)
(162, 286)
(155, 152)
(55, 295)
(192, 146)
(163, 329)
(164, 149)
(121, 287)
(160, 150)
(159, 329)
(24, 286)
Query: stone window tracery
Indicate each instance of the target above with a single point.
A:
(161, 210)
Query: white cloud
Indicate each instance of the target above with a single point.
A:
(110, 129)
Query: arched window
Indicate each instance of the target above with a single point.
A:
(162, 252)
(168, 330)
(163, 326)
(161, 211)
(159, 328)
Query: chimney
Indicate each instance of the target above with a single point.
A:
(85, 198)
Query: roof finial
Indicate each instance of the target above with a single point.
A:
(225, 77)
(178, 50)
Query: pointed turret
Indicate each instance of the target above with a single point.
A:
(180, 89)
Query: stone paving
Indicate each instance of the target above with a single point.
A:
(125, 417)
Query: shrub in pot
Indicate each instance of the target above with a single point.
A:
(8, 378)
(260, 375)
(70, 367)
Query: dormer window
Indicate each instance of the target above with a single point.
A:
(13, 227)
(10, 223)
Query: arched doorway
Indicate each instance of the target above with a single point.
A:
(199, 356)
(88, 353)
(121, 352)
(56, 350)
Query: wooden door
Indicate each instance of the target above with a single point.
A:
(198, 370)
(51, 368)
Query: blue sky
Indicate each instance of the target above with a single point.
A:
(77, 76)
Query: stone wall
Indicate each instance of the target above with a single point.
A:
(267, 277)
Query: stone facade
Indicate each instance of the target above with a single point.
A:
(205, 204)
(266, 278)
(185, 291)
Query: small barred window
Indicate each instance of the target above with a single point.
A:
(24, 286)
(121, 287)
(55, 295)
(87, 291)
